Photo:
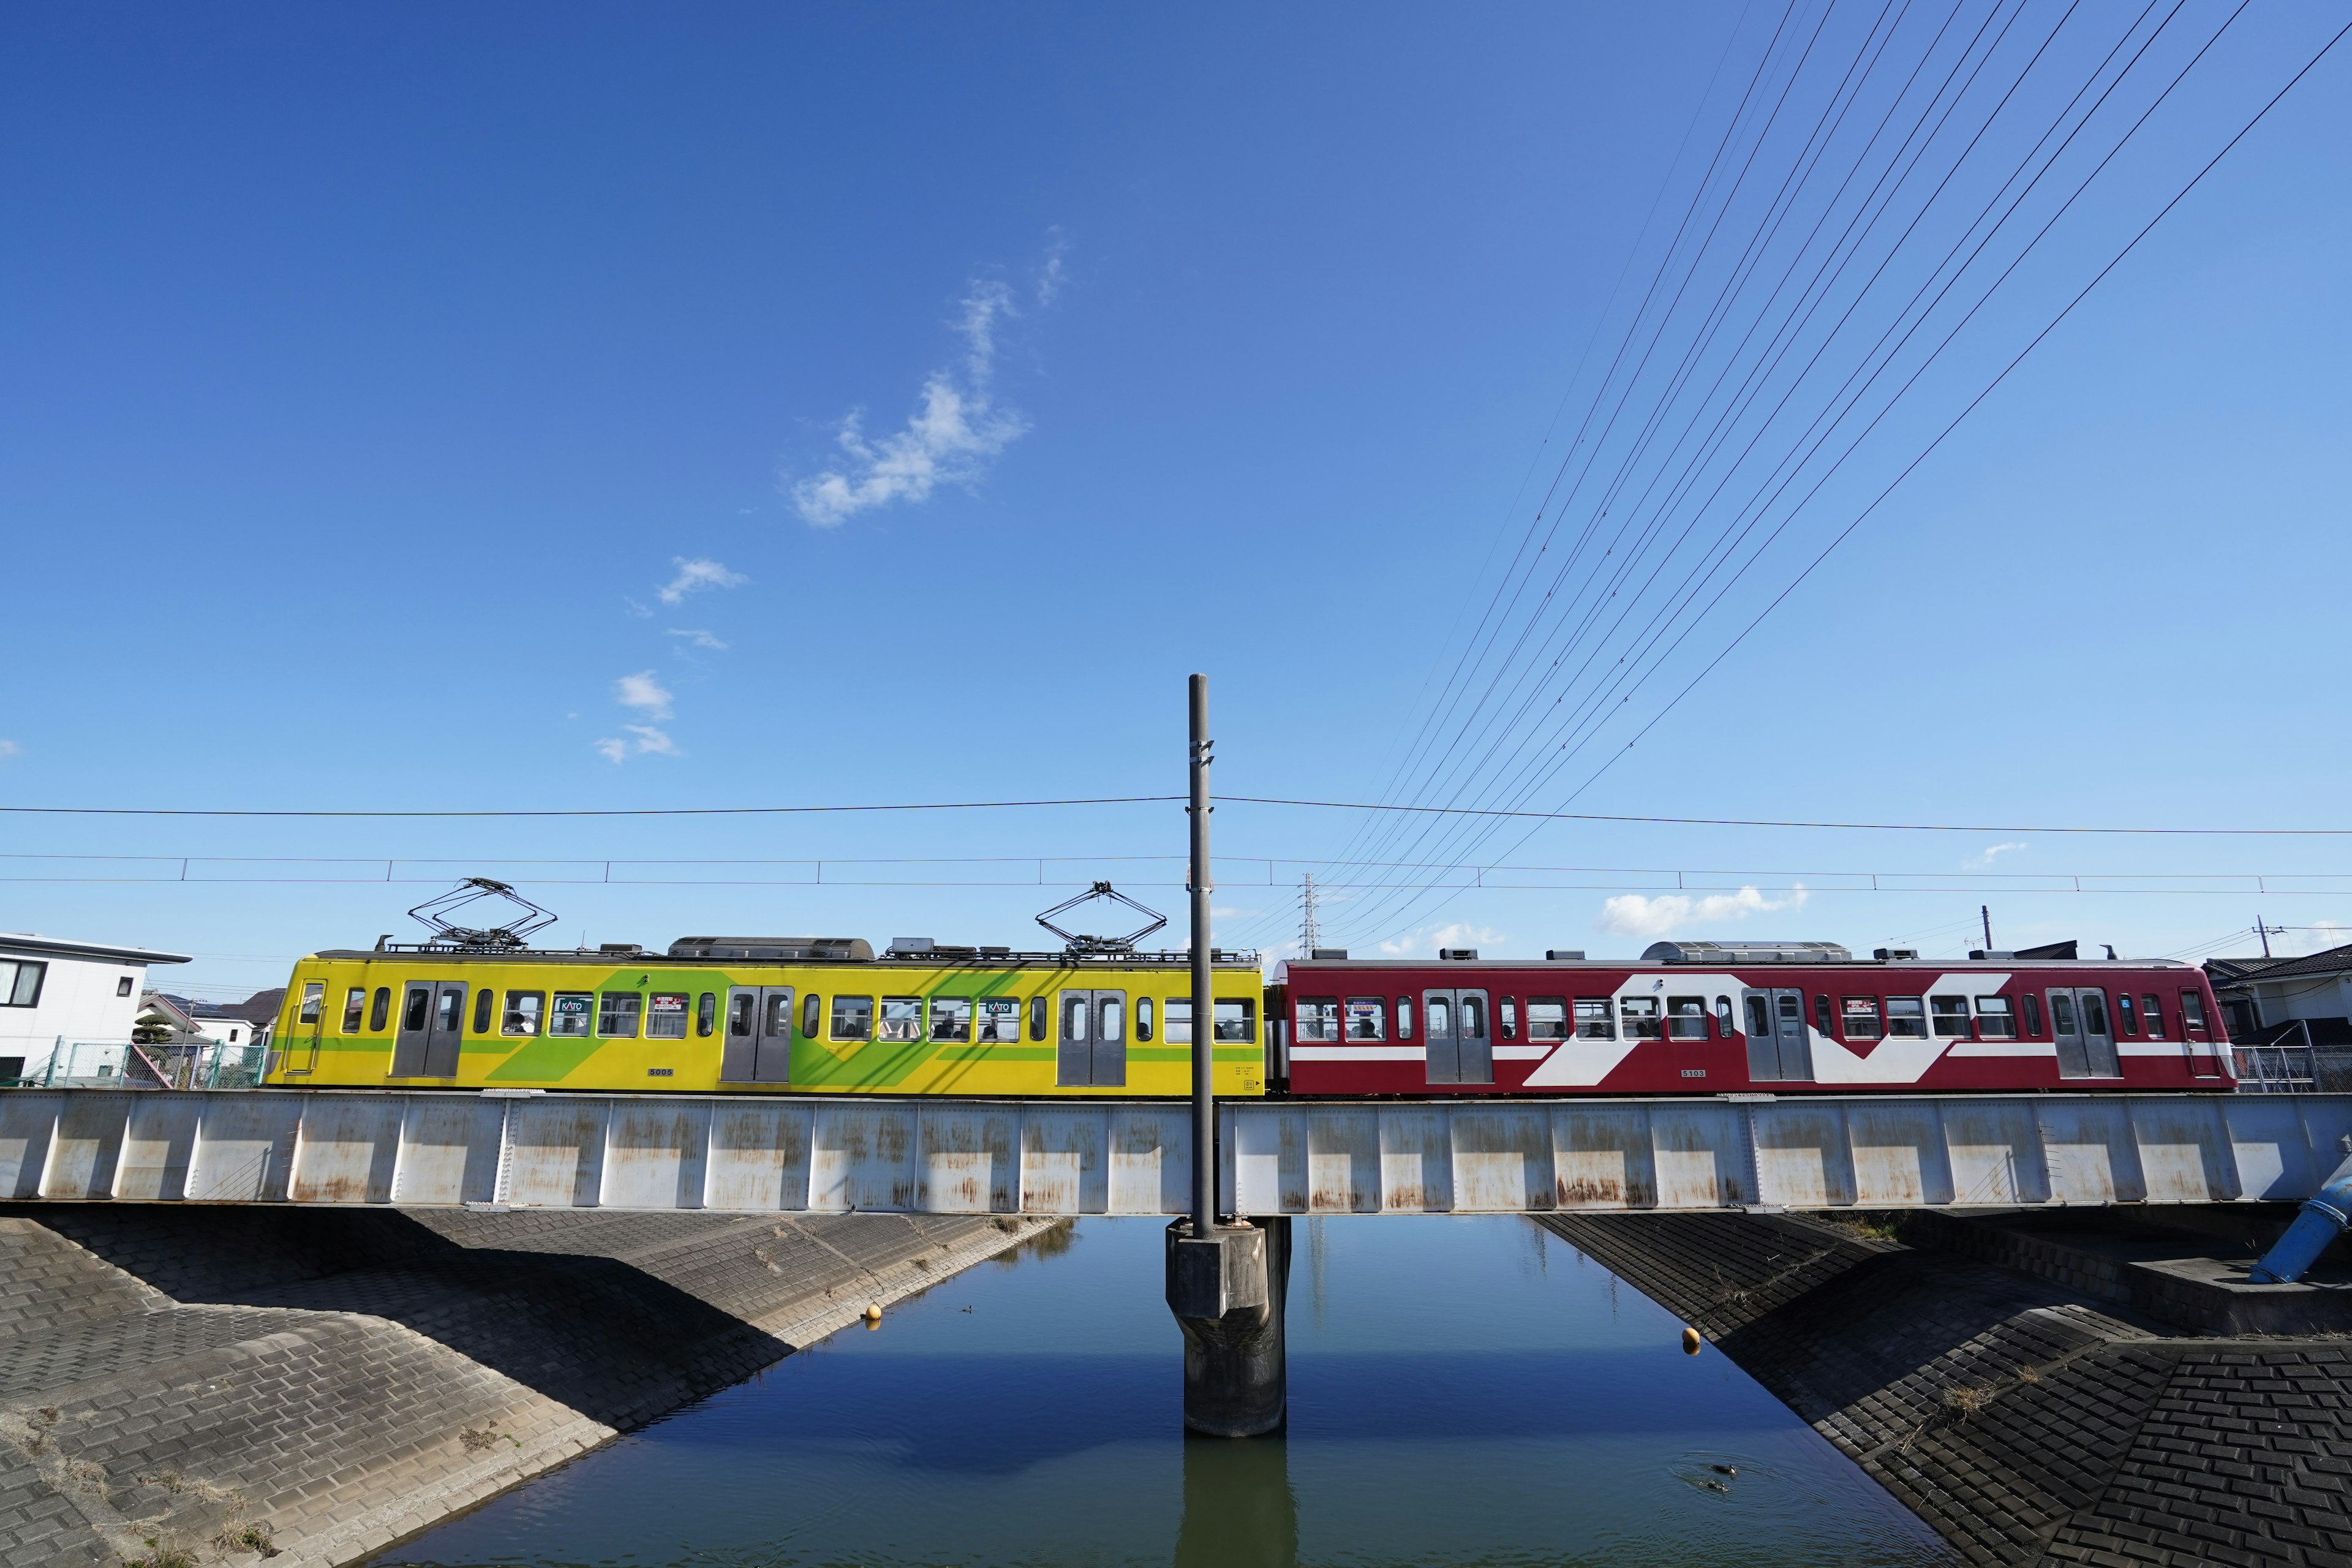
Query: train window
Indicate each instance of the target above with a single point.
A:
(1075, 1011)
(1036, 1017)
(1319, 1019)
(2126, 1014)
(1473, 1023)
(1114, 1023)
(2094, 1011)
(2032, 1014)
(2192, 1012)
(666, 1015)
(706, 1013)
(1507, 1011)
(452, 1018)
(1441, 1017)
(354, 1009)
(1906, 1018)
(1547, 1017)
(1860, 1019)
(902, 1019)
(1995, 1021)
(2061, 1013)
(314, 992)
(853, 1017)
(2153, 1006)
(812, 1013)
(1236, 1019)
(779, 1016)
(1593, 1021)
(1687, 1017)
(616, 1014)
(1640, 1016)
(484, 1000)
(1180, 1020)
(1951, 1017)
(522, 1012)
(1143, 1017)
(571, 1015)
(1404, 1017)
(1759, 1018)
(741, 1007)
(1367, 1019)
(412, 1011)
(1000, 1021)
(1822, 1022)
(952, 1017)
(1723, 1028)
(380, 1008)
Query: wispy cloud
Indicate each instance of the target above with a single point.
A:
(698, 637)
(1633, 914)
(644, 693)
(1050, 276)
(696, 575)
(1983, 860)
(640, 740)
(10, 749)
(949, 440)
(1422, 940)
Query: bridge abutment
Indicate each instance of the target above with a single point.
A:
(1227, 1291)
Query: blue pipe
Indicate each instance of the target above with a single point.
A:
(2325, 1217)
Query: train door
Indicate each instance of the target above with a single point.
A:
(758, 1047)
(432, 1024)
(1092, 1048)
(1779, 1050)
(2086, 1043)
(1455, 1041)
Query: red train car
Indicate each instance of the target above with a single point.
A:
(1712, 1018)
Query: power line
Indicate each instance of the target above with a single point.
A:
(1221, 799)
(613, 811)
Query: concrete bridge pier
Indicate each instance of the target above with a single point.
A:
(1227, 1291)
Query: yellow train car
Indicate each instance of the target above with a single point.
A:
(752, 1015)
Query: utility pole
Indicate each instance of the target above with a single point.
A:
(2266, 932)
(1225, 1283)
(1204, 1006)
(1310, 933)
(1986, 910)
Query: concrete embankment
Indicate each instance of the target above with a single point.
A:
(311, 1385)
(2020, 1389)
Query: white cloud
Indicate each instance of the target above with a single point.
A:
(636, 609)
(10, 749)
(2318, 938)
(698, 637)
(697, 574)
(948, 440)
(1983, 862)
(1632, 914)
(640, 740)
(643, 692)
(1423, 941)
(1050, 277)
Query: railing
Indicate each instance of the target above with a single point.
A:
(2278, 1068)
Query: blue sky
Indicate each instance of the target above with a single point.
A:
(434, 407)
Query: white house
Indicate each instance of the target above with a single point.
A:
(54, 990)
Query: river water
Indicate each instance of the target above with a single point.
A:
(1464, 1391)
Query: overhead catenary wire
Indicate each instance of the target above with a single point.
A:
(338, 814)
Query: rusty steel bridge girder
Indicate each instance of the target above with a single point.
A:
(834, 1154)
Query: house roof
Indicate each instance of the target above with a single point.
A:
(2332, 961)
(59, 947)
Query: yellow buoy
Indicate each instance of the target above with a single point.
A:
(872, 1314)
(1691, 1341)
